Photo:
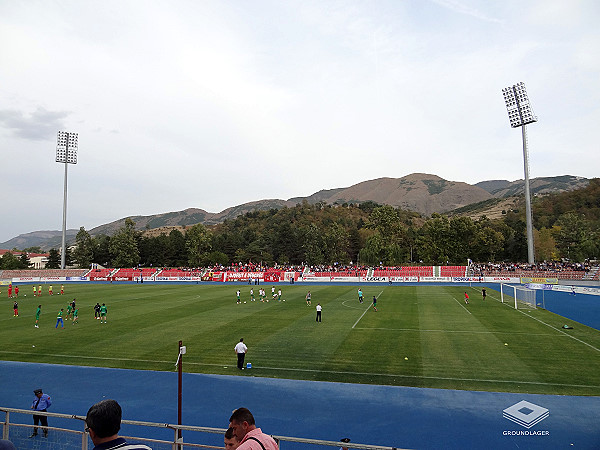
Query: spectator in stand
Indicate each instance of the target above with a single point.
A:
(250, 437)
(103, 422)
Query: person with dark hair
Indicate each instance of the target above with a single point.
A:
(103, 422)
(250, 437)
(41, 402)
(230, 439)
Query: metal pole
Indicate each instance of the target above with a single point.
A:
(179, 390)
(64, 226)
(530, 253)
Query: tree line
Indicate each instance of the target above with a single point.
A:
(566, 226)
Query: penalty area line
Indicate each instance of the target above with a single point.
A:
(460, 304)
(362, 315)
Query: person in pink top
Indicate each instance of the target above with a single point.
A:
(250, 437)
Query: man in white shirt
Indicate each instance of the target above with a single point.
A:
(241, 350)
(319, 312)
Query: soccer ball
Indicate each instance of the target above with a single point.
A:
(244, 301)
(25, 295)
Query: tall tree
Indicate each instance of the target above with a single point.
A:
(312, 245)
(198, 244)
(574, 238)
(545, 245)
(433, 240)
(53, 259)
(24, 260)
(177, 253)
(84, 250)
(336, 244)
(10, 262)
(123, 246)
(101, 250)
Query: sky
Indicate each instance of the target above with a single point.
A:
(210, 104)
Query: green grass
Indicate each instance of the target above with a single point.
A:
(482, 346)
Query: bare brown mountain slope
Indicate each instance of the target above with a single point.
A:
(418, 192)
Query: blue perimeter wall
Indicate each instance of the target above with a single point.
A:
(582, 308)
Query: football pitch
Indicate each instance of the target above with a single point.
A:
(422, 336)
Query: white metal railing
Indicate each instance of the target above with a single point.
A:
(77, 438)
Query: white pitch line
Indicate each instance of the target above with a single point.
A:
(103, 358)
(560, 331)
(324, 371)
(352, 307)
(361, 316)
(430, 377)
(460, 304)
(455, 331)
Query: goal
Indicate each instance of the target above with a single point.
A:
(522, 296)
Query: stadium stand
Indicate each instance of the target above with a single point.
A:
(408, 271)
(99, 273)
(562, 271)
(346, 273)
(453, 271)
(145, 272)
(43, 273)
(181, 272)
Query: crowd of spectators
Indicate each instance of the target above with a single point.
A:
(546, 266)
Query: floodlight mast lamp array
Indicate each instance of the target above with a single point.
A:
(66, 152)
(520, 114)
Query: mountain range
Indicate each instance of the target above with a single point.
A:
(418, 192)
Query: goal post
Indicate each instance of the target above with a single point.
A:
(522, 296)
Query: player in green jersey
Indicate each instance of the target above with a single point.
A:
(37, 315)
(103, 311)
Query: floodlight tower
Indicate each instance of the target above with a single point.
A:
(66, 152)
(519, 115)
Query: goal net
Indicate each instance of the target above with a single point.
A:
(521, 296)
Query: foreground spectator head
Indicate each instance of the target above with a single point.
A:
(231, 440)
(7, 445)
(242, 421)
(104, 420)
